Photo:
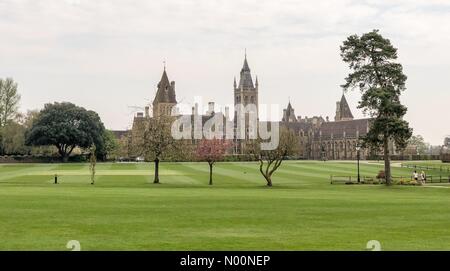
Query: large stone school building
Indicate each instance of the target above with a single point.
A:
(319, 138)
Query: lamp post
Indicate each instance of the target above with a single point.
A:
(323, 153)
(358, 157)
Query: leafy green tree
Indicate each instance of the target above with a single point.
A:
(13, 139)
(27, 120)
(9, 100)
(381, 82)
(66, 126)
(418, 141)
(110, 146)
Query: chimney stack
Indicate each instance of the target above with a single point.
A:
(210, 108)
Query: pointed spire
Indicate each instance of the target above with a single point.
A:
(246, 77)
(289, 107)
(166, 90)
(164, 78)
(256, 81)
(245, 67)
(345, 112)
(235, 85)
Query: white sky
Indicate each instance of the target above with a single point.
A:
(107, 55)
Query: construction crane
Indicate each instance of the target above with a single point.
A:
(136, 108)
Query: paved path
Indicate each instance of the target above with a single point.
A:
(436, 186)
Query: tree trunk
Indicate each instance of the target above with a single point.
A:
(387, 162)
(268, 178)
(269, 181)
(65, 158)
(156, 171)
(63, 153)
(210, 174)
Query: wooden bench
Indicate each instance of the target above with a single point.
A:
(343, 179)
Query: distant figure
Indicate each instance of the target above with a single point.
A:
(423, 177)
(415, 176)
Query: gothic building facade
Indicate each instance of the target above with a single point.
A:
(319, 138)
(324, 139)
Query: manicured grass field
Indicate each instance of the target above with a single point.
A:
(125, 211)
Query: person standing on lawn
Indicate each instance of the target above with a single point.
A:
(423, 177)
(415, 176)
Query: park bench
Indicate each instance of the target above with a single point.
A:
(343, 179)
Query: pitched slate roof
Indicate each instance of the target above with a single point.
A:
(346, 113)
(297, 126)
(337, 129)
(165, 92)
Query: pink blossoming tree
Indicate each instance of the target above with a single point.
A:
(211, 151)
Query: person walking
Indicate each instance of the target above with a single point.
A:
(423, 177)
(415, 176)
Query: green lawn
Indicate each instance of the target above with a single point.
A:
(125, 211)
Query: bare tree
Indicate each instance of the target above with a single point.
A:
(9, 100)
(92, 162)
(158, 142)
(271, 160)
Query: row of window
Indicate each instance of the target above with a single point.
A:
(339, 146)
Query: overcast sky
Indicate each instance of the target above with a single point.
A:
(107, 55)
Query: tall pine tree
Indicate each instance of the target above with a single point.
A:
(381, 81)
